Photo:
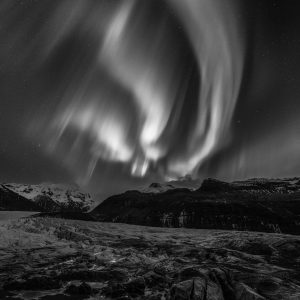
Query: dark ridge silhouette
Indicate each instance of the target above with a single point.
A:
(10, 200)
(271, 205)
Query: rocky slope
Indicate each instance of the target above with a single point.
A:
(10, 200)
(255, 204)
(44, 258)
(53, 197)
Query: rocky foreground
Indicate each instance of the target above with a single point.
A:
(45, 258)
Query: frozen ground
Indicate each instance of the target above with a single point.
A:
(44, 258)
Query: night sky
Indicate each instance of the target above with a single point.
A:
(115, 94)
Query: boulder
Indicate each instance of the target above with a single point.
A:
(82, 289)
(136, 287)
(244, 292)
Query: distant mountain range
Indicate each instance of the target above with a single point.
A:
(271, 205)
(45, 197)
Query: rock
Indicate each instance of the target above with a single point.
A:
(289, 248)
(13, 285)
(72, 289)
(115, 290)
(155, 185)
(33, 283)
(199, 289)
(46, 203)
(268, 286)
(182, 290)
(55, 297)
(85, 289)
(153, 279)
(102, 275)
(256, 248)
(213, 291)
(189, 273)
(190, 289)
(223, 278)
(244, 292)
(214, 185)
(156, 297)
(82, 289)
(136, 287)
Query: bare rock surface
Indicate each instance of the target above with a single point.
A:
(47, 258)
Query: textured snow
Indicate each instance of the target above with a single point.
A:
(60, 193)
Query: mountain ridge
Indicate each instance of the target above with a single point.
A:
(50, 197)
(270, 205)
(12, 201)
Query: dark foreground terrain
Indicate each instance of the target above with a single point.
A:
(46, 258)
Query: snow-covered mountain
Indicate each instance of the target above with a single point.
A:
(54, 197)
(254, 185)
(12, 201)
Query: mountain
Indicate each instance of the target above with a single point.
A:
(270, 205)
(183, 182)
(51, 197)
(10, 200)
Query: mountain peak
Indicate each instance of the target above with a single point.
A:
(58, 196)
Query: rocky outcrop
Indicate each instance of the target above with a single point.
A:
(46, 204)
(13, 201)
(215, 186)
(256, 205)
(79, 290)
